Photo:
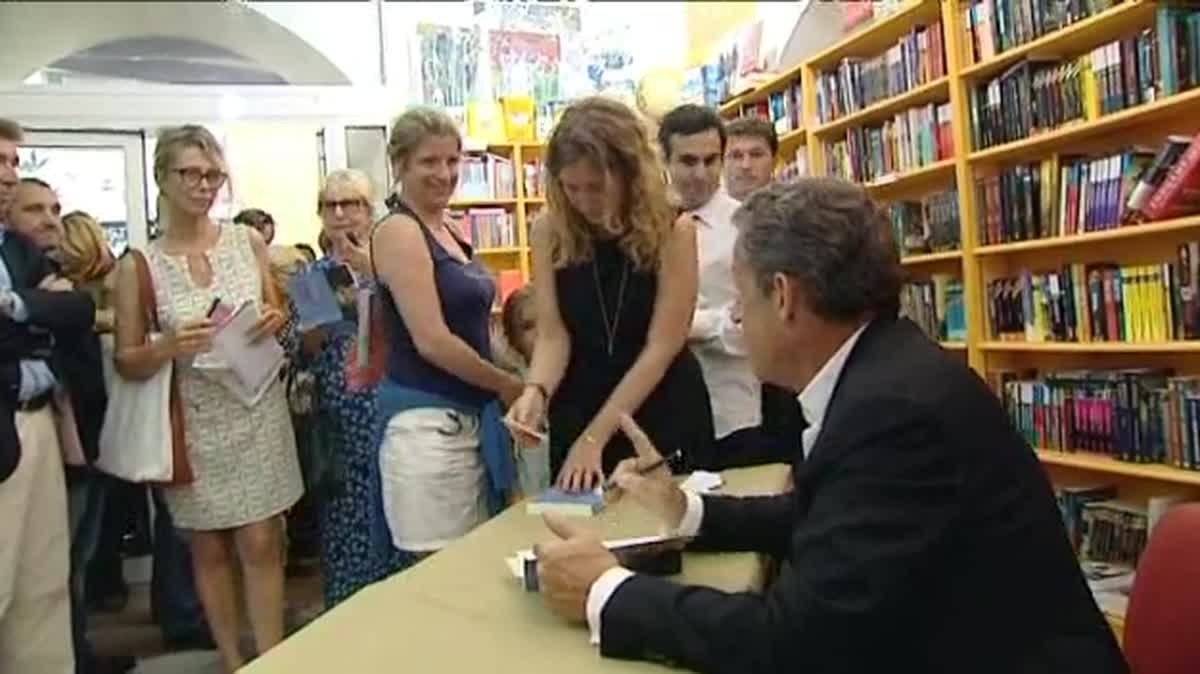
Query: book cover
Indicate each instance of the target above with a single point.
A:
(575, 504)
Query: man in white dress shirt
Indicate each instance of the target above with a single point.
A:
(693, 143)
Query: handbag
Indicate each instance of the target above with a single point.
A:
(143, 436)
(316, 437)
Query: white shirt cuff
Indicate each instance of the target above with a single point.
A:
(598, 596)
(689, 526)
(608, 582)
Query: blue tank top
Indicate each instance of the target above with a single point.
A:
(465, 293)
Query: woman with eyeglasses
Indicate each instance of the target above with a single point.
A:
(346, 418)
(242, 456)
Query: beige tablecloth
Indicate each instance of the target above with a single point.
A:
(461, 610)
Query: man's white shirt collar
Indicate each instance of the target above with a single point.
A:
(815, 398)
(718, 210)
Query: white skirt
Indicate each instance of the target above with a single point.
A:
(434, 486)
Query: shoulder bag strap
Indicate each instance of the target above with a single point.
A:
(181, 466)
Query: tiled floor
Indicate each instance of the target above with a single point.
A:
(133, 633)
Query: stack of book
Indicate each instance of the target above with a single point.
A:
(1099, 302)
(1142, 416)
(788, 171)
(1067, 194)
(928, 225)
(913, 138)
(936, 306)
(856, 83)
(535, 180)
(486, 228)
(993, 26)
(1040, 94)
(781, 108)
(486, 176)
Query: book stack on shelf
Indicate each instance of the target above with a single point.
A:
(487, 228)
(486, 176)
(927, 225)
(936, 306)
(857, 83)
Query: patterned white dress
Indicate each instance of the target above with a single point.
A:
(243, 458)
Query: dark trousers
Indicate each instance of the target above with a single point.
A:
(777, 440)
(87, 492)
(174, 605)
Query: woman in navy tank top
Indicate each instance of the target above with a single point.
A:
(440, 382)
(614, 315)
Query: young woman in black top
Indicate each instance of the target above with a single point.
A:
(614, 315)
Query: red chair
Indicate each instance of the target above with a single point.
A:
(1162, 623)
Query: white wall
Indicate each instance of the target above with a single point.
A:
(347, 33)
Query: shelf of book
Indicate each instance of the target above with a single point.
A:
(1149, 229)
(1083, 34)
(482, 203)
(876, 37)
(1181, 347)
(1074, 133)
(930, 92)
(930, 258)
(898, 184)
(1105, 464)
(500, 250)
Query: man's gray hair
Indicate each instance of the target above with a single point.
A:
(830, 236)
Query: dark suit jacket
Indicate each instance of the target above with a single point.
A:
(922, 536)
(58, 323)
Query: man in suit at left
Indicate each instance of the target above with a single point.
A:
(36, 310)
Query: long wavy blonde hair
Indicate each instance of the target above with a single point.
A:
(615, 140)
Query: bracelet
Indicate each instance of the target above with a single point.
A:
(541, 388)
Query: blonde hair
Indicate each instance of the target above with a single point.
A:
(83, 248)
(355, 179)
(610, 136)
(414, 126)
(175, 139)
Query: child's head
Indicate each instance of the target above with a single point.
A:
(519, 319)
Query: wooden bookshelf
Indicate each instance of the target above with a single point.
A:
(931, 258)
(1143, 124)
(1106, 464)
(1150, 229)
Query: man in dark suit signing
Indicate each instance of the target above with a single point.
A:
(921, 535)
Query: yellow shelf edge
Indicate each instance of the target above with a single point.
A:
(953, 345)
(1116, 15)
(793, 136)
(903, 18)
(928, 258)
(1126, 232)
(1106, 464)
(468, 203)
(500, 250)
(882, 109)
(1092, 347)
(1077, 131)
(897, 181)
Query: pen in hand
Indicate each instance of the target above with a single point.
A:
(642, 470)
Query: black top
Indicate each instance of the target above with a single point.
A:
(676, 414)
(922, 535)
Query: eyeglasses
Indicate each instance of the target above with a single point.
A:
(191, 177)
(345, 205)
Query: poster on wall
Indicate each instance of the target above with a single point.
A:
(89, 179)
(449, 61)
(524, 63)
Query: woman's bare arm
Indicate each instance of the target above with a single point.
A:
(134, 359)
(552, 348)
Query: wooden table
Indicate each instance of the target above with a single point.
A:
(461, 610)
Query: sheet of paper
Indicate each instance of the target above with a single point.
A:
(254, 366)
(702, 481)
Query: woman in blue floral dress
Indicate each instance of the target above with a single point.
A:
(351, 557)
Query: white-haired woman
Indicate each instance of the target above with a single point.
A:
(346, 418)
